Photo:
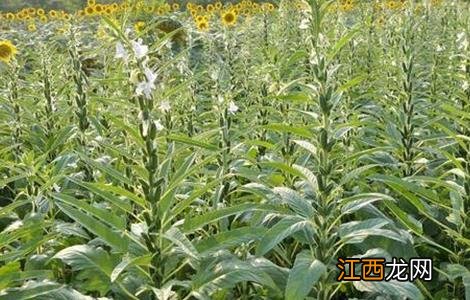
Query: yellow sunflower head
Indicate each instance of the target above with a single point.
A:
(31, 27)
(229, 18)
(32, 11)
(203, 25)
(160, 11)
(200, 18)
(98, 8)
(89, 10)
(392, 5)
(210, 8)
(10, 16)
(53, 14)
(7, 51)
(139, 26)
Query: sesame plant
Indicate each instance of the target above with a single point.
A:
(235, 150)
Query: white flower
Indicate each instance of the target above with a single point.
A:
(121, 52)
(440, 48)
(140, 49)
(150, 75)
(232, 108)
(465, 85)
(146, 87)
(304, 24)
(56, 187)
(165, 106)
(158, 125)
(462, 40)
(139, 228)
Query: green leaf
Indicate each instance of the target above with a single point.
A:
(42, 290)
(295, 201)
(105, 190)
(455, 271)
(300, 131)
(406, 220)
(281, 230)
(231, 238)
(191, 141)
(81, 257)
(112, 238)
(342, 42)
(303, 275)
(179, 239)
(215, 215)
(357, 202)
(127, 262)
(106, 170)
(102, 214)
(390, 288)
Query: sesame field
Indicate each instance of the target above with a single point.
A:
(290, 149)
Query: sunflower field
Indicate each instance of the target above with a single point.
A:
(292, 149)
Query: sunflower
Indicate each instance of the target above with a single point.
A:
(269, 7)
(139, 26)
(210, 8)
(98, 8)
(229, 18)
(32, 11)
(31, 27)
(41, 12)
(53, 14)
(200, 18)
(203, 25)
(218, 5)
(89, 11)
(91, 2)
(175, 7)
(392, 5)
(43, 19)
(7, 51)
(149, 9)
(160, 11)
